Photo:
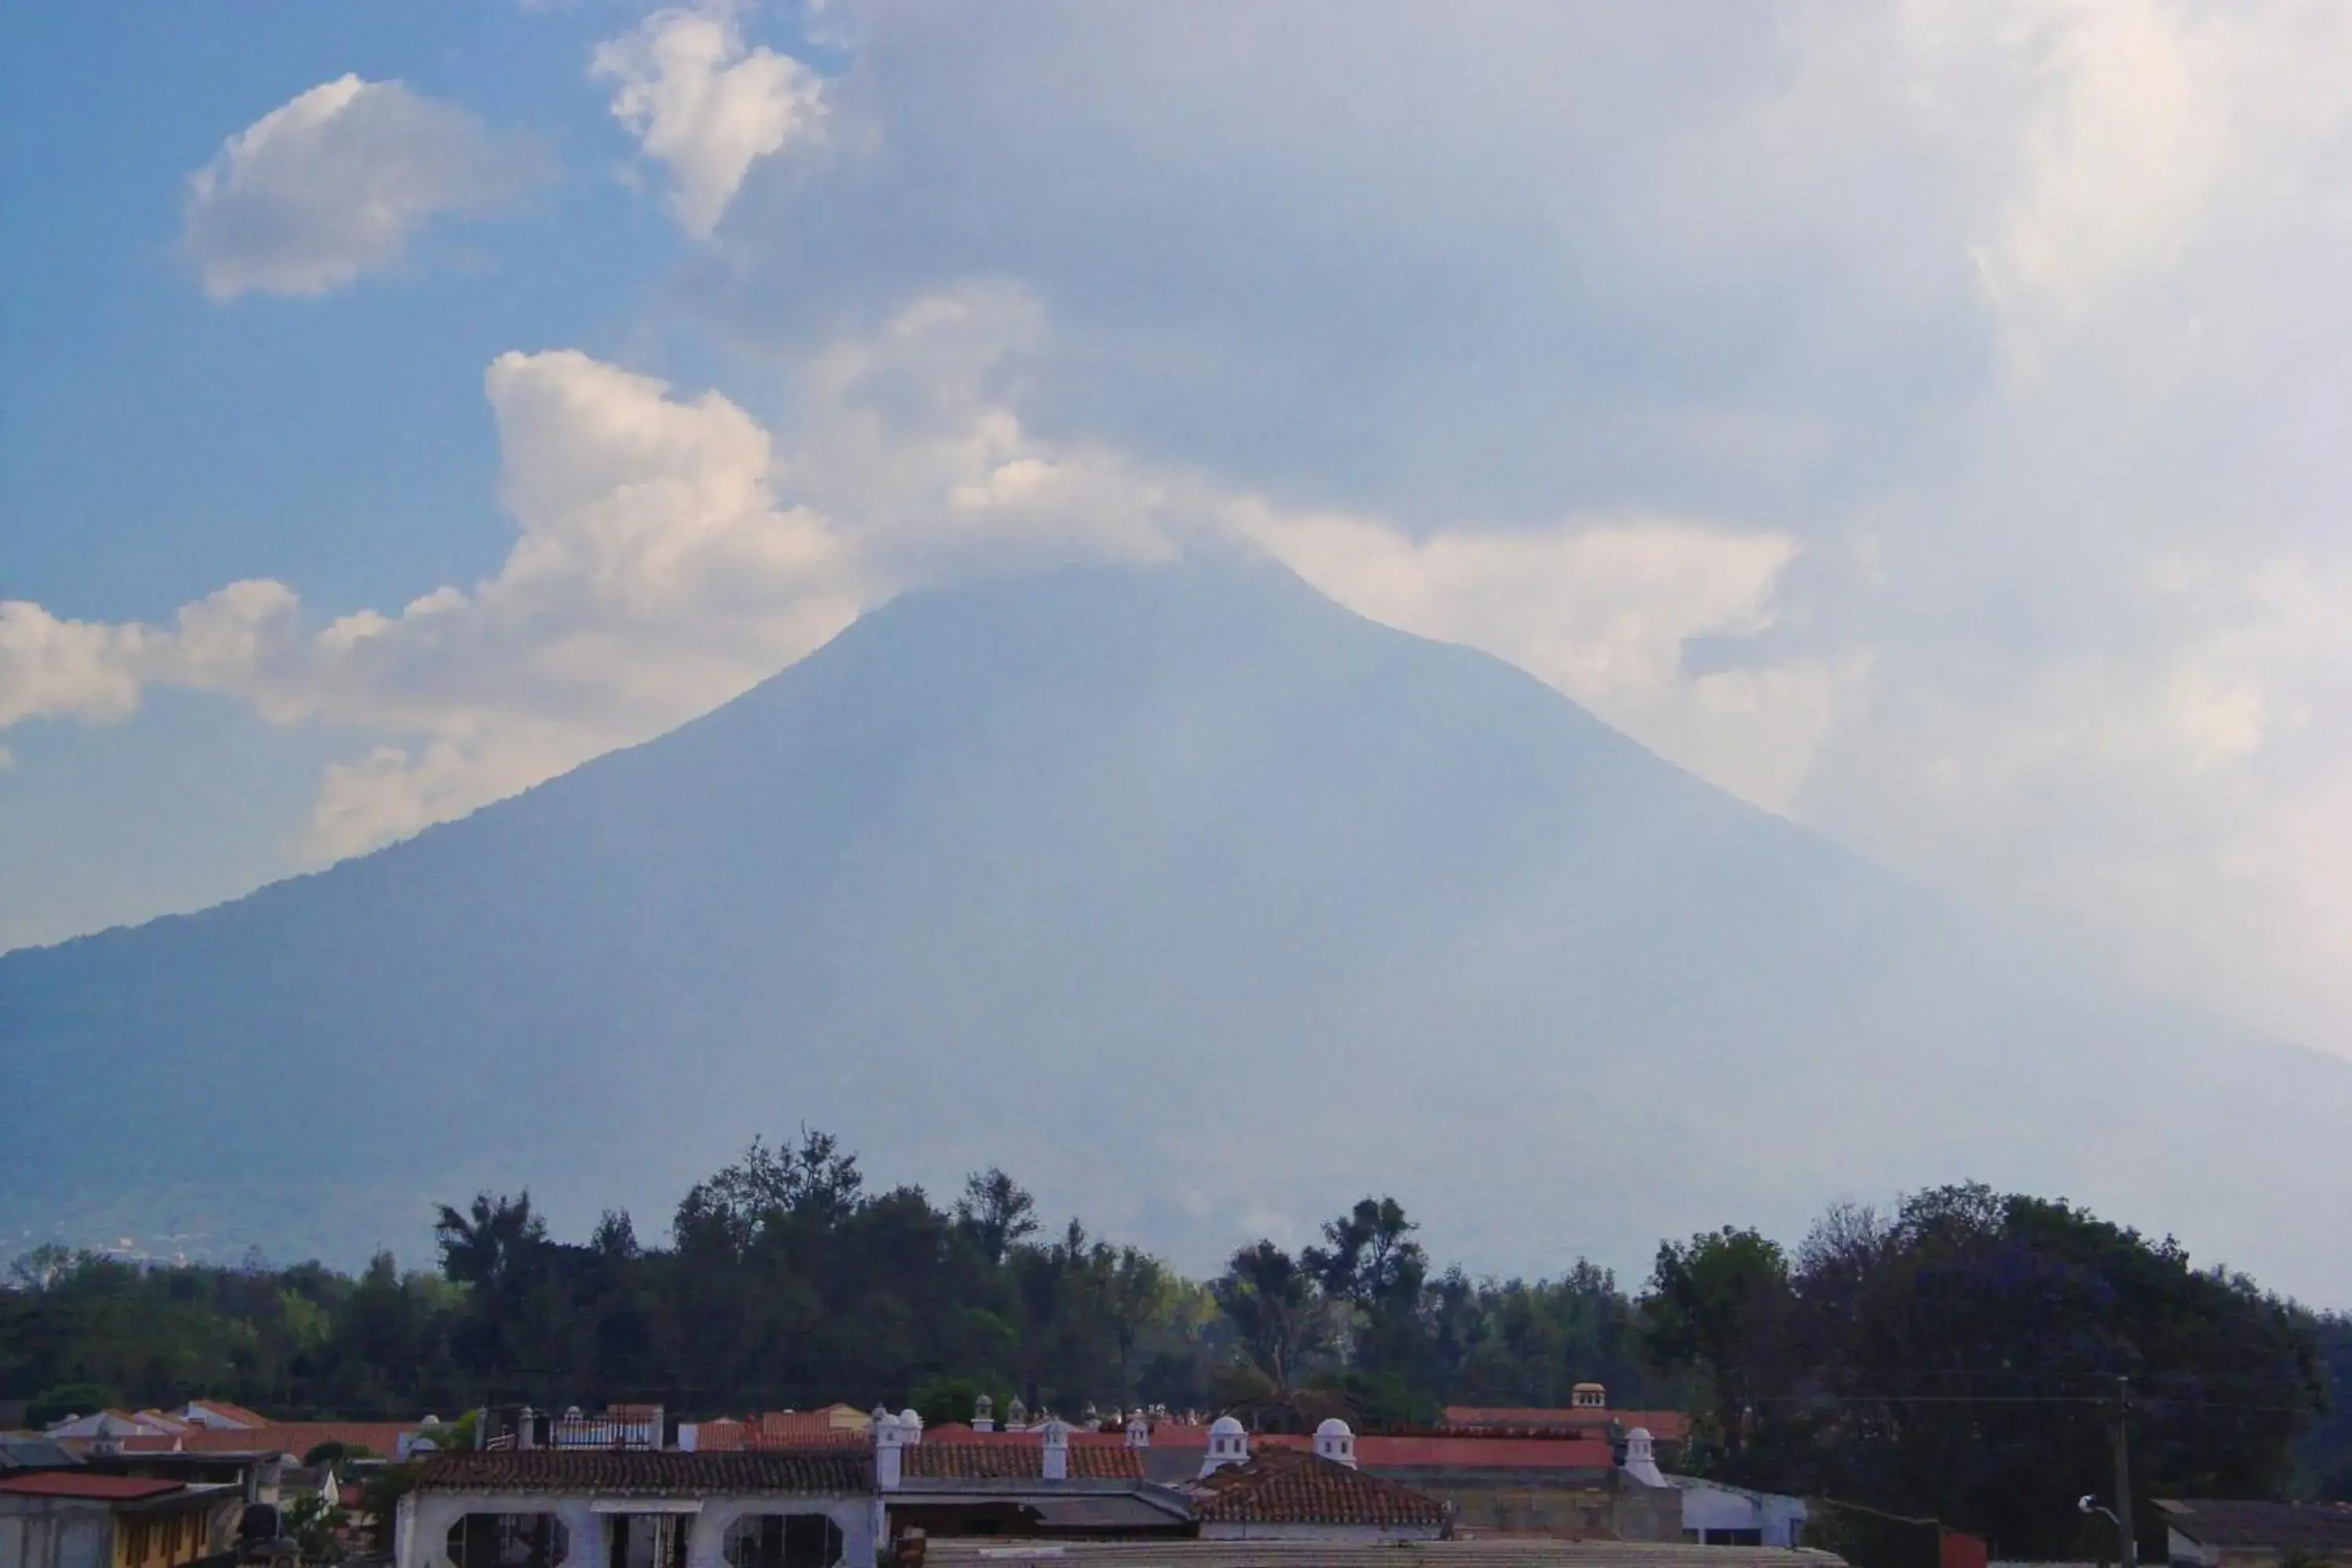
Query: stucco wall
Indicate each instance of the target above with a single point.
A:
(55, 1533)
(422, 1527)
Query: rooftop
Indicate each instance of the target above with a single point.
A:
(974, 1456)
(2320, 1528)
(81, 1484)
(1666, 1426)
(380, 1438)
(983, 1551)
(651, 1472)
(1282, 1486)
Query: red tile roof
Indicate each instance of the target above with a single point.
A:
(1281, 1486)
(722, 1435)
(799, 1429)
(238, 1413)
(380, 1438)
(1465, 1452)
(77, 1484)
(647, 1472)
(1465, 1449)
(1666, 1426)
(975, 1457)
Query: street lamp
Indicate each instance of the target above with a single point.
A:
(2089, 1504)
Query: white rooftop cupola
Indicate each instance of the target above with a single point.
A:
(1139, 1430)
(1016, 1416)
(1589, 1396)
(1057, 1463)
(889, 1449)
(1228, 1444)
(1336, 1441)
(983, 1414)
(1641, 1458)
(910, 1427)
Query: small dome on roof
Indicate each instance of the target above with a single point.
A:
(1225, 1426)
(908, 1417)
(1334, 1427)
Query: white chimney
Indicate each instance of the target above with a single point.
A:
(1336, 1442)
(910, 1427)
(1642, 1459)
(889, 1443)
(983, 1414)
(1058, 1450)
(1228, 1444)
(1139, 1430)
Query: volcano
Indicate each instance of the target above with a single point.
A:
(1198, 903)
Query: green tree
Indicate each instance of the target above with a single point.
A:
(1719, 1303)
(1280, 1320)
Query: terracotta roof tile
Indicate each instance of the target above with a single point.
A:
(1282, 1486)
(380, 1438)
(1462, 1451)
(1666, 1426)
(236, 1413)
(650, 1472)
(976, 1459)
(80, 1484)
(799, 1429)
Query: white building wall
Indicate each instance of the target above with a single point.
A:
(55, 1533)
(422, 1526)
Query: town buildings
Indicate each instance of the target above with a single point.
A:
(74, 1519)
(2206, 1532)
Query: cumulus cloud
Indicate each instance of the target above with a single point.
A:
(50, 667)
(667, 556)
(94, 671)
(333, 184)
(1602, 608)
(704, 105)
(1923, 418)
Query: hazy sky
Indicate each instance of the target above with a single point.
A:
(1925, 421)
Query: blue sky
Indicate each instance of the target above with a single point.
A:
(1921, 421)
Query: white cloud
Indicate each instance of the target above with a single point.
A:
(667, 558)
(93, 671)
(333, 184)
(705, 106)
(1949, 396)
(52, 668)
(1602, 608)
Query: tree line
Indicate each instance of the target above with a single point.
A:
(1961, 1357)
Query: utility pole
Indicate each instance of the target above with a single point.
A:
(2126, 1548)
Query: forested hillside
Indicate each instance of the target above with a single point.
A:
(1956, 1357)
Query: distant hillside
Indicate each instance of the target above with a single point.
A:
(1199, 902)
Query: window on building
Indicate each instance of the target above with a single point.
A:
(649, 1540)
(508, 1540)
(783, 1540)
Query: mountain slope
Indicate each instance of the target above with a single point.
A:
(1198, 903)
